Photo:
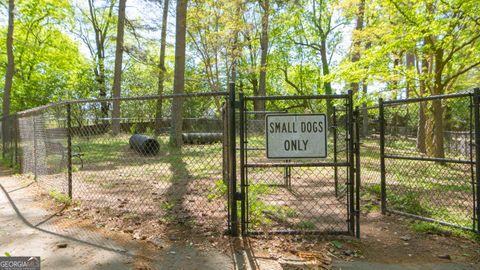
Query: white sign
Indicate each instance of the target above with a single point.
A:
(292, 136)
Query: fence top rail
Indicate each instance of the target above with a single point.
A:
(147, 97)
(428, 98)
(150, 97)
(336, 96)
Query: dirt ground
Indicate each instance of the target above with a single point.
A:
(386, 242)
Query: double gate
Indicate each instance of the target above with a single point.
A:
(314, 195)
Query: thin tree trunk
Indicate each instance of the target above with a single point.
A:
(162, 68)
(117, 79)
(10, 58)
(262, 87)
(10, 70)
(422, 121)
(410, 63)
(365, 122)
(326, 70)
(179, 73)
(357, 42)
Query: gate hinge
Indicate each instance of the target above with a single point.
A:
(238, 196)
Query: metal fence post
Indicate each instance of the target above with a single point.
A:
(242, 163)
(335, 169)
(232, 161)
(69, 149)
(16, 136)
(2, 122)
(382, 156)
(357, 172)
(351, 184)
(35, 155)
(477, 153)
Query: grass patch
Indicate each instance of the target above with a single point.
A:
(59, 197)
(409, 202)
(108, 185)
(256, 205)
(306, 225)
(375, 189)
(219, 190)
(426, 227)
(436, 228)
(11, 164)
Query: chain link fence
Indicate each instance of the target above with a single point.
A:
(418, 158)
(126, 171)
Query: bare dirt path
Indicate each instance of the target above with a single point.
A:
(28, 229)
(19, 237)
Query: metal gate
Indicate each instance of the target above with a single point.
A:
(429, 157)
(298, 195)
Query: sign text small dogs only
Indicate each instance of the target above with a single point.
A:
(291, 136)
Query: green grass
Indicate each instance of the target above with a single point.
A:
(197, 161)
(410, 202)
(219, 191)
(59, 197)
(11, 164)
(416, 187)
(108, 185)
(436, 228)
(306, 225)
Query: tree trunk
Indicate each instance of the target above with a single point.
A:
(10, 70)
(421, 132)
(422, 121)
(162, 69)
(410, 63)
(10, 58)
(357, 42)
(438, 150)
(102, 87)
(365, 122)
(262, 87)
(179, 73)
(117, 79)
(326, 71)
(435, 147)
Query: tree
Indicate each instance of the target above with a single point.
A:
(450, 49)
(47, 61)
(10, 62)
(117, 78)
(162, 69)
(318, 31)
(262, 87)
(100, 19)
(357, 42)
(179, 73)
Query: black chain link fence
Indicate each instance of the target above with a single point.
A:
(124, 171)
(418, 158)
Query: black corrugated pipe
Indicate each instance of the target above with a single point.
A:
(144, 145)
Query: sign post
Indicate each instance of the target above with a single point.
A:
(296, 136)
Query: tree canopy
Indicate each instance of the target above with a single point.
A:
(65, 49)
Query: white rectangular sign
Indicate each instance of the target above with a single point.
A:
(292, 136)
